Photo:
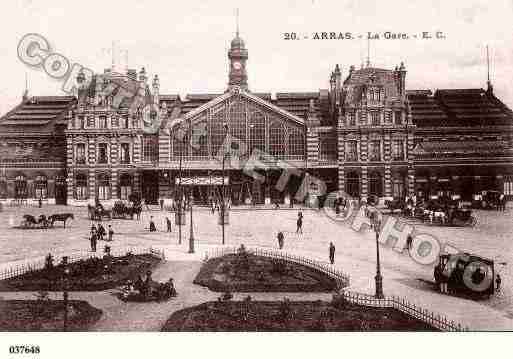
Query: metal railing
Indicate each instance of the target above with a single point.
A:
(436, 320)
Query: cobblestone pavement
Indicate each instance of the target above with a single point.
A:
(355, 254)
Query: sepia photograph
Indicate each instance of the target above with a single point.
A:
(342, 170)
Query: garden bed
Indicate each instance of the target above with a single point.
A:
(46, 315)
(252, 273)
(93, 274)
(319, 315)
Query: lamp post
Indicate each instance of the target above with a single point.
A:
(180, 195)
(223, 206)
(191, 238)
(65, 296)
(378, 278)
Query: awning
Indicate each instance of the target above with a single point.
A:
(202, 181)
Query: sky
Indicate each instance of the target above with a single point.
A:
(186, 42)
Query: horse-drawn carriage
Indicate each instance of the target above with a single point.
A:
(97, 213)
(448, 213)
(465, 273)
(30, 221)
(43, 222)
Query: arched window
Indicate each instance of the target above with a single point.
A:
(41, 187)
(277, 140)
(296, 145)
(3, 187)
(375, 184)
(238, 121)
(353, 184)
(125, 186)
(81, 191)
(103, 186)
(257, 131)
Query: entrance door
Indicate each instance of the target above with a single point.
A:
(61, 194)
(150, 187)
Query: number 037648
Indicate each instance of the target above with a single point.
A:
(24, 349)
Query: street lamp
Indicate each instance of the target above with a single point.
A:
(376, 224)
(191, 238)
(180, 195)
(65, 295)
(223, 206)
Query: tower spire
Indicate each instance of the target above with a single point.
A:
(368, 51)
(488, 82)
(237, 22)
(25, 92)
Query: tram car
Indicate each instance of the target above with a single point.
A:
(466, 273)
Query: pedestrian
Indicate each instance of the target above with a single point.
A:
(168, 223)
(153, 228)
(281, 239)
(332, 253)
(93, 229)
(409, 241)
(93, 240)
(161, 204)
(299, 223)
(111, 233)
(498, 282)
(101, 232)
(40, 202)
(502, 203)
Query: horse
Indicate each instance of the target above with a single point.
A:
(29, 220)
(61, 217)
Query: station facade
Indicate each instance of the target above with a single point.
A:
(365, 135)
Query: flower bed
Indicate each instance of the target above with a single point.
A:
(290, 316)
(252, 273)
(92, 274)
(46, 315)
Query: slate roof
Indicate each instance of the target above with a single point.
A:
(458, 107)
(358, 80)
(38, 114)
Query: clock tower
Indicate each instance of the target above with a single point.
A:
(238, 56)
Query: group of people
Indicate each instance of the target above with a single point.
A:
(299, 230)
(148, 288)
(98, 233)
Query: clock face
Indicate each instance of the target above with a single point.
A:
(237, 65)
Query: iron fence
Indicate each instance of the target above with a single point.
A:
(436, 320)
